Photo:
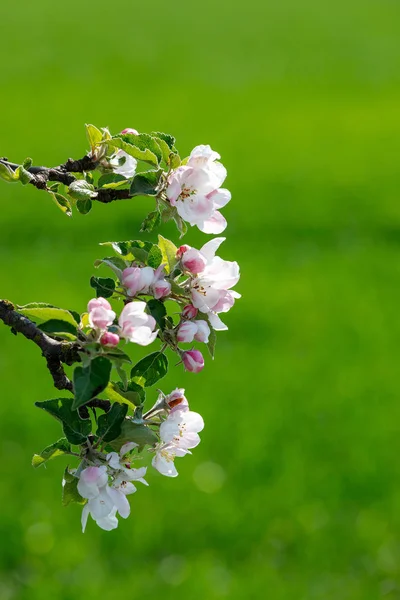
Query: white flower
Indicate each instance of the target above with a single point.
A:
(137, 279)
(210, 289)
(178, 433)
(195, 190)
(160, 287)
(136, 325)
(123, 164)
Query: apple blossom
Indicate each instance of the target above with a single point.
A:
(193, 360)
(123, 164)
(136, 325)
(193, 261)
(100, 312)
(176, 400)
(137, 279)
(194, 189)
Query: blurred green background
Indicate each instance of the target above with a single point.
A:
(294, 493)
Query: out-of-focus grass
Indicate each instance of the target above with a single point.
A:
(294, 491)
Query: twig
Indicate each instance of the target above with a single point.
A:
(56, 353)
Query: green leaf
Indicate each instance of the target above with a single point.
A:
(114, 262)
(166, 137)
(212, 340)
(112, 181)
(150, 369)
(70, 492)
(131, 250)
(104, 286)
(168, 251)
(116, 394)
(154, 258)
(133, 432)
(46, 312)
(23, 175)
(81, 190)
(75, 429)
(27, 163)
(7, 174)
(165, 149)
(180, 223)
(109, 424)
(94, 136)
(117, 355)
(158, 311)
(84, 206)
(59, 448)
(174, 160)
(90, 380)
(62, 202)
(55, 326)
(146, 183)
(152, 220)
(142, 147)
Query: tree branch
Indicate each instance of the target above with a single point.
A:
(56, 353)
(63, 174)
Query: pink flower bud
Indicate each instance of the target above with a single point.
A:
(130, 130)
(189, 312)
(181, 250)
(101, 314)
(161, 289)
(193, 361)
(109, 339)
(186, 332)
(193, 261)
(98, 303)
(176, 400)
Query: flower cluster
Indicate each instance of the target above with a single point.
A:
(161, 294)
(195, 190)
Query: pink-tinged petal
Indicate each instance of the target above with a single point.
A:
(84, 517)
(209, 249)
(221, 274)
(196, 208)
(193, 261)
(98, 303)
(127, 448)
(109, 339)
(214, 224)
(216, 322)
(203, 154)
(225, 302)
(193, 361)
(189, 311)
(186, 332)
(220, 197)
(203, 331)
(130, 130)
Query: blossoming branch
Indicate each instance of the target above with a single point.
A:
(130, 308)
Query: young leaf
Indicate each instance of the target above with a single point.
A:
(62, 202)
(70, 492)
(109, 424)
(62, 446)
(7, 174)
(212, 340)
(146, 183)
(90, 380)
(75, 429)
(169, 139)
(94, 136)
(142, 147)
(81, 190)
(133, 432)
(117, 355)
(84, 206)
(131, 250)
(112, 181)
(116, 264)
(154, 258)
(104, 286)
(150, 369)
(152, 220)
(115, 394)
(168, 251)
(23, 175)
(46, 312)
